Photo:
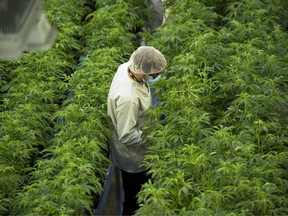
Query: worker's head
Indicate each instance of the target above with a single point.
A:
(147, 60)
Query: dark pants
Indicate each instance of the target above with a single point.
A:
(132, 183)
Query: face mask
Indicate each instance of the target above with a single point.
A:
(151, 80)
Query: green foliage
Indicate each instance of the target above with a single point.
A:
(66, 17)
(30, 98)
(110, 26)
(217, 141)
(33, 89)
(4, 69)
(222, 147)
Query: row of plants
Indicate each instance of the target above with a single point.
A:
(69, 177)
(33, 87)
(225, 151)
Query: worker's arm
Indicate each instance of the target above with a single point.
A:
(127, 126)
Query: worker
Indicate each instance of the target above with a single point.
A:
(128, 100)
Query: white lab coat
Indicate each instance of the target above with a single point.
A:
(128, 101)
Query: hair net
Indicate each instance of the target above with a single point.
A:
(147, 60)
